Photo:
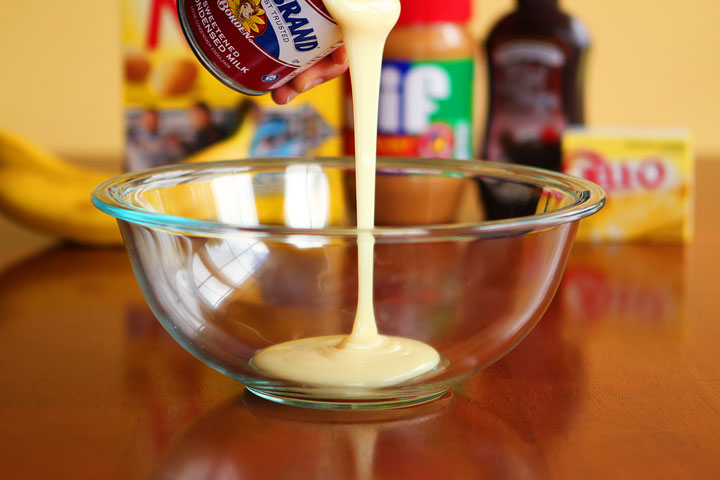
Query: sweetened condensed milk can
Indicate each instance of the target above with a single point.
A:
(256, 46)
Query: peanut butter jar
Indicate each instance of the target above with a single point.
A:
(426, 90)
(426, 108)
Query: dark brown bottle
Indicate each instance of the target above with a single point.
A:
(536, 59)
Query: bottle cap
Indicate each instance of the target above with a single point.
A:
(419, 12)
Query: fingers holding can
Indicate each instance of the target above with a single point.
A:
(326, 69)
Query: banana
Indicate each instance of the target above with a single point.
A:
(232, 148)
(42, 192)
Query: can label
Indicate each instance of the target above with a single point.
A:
(255, 46)
(426, 109)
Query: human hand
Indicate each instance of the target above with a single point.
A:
(326, 69)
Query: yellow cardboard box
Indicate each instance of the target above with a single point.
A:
(176, 109)
(648, 175)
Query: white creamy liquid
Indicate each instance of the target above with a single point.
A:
(364, 358)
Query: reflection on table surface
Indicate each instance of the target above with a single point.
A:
(646, 295)
(615, 380)
(250, 438)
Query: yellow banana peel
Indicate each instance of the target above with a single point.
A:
(43, 192)
(40, 191)
(232, 148)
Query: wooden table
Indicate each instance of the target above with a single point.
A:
(621, 379)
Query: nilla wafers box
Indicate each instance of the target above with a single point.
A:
(648, 175)
(176, 110)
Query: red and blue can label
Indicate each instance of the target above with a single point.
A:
(255, 46)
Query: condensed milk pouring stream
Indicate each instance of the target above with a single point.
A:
(364, 358)
(256, 46)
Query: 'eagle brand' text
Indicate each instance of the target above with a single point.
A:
(304, 39)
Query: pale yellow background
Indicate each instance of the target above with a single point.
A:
(654, 62)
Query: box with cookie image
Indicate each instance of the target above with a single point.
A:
(176, 111)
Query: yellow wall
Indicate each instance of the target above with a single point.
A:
(60, 81)
(653, 63)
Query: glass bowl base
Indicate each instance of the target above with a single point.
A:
(349, 404)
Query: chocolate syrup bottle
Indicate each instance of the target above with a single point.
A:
(535, 60)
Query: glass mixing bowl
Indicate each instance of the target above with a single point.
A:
(234, 257)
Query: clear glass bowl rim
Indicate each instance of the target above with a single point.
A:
(109, 197)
